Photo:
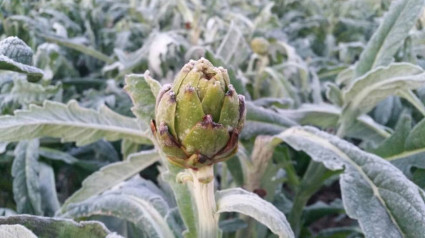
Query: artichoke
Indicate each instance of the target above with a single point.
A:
(260, 45)
(199, 117)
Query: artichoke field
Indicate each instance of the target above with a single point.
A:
(212, 119)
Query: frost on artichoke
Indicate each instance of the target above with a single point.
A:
(198, 119)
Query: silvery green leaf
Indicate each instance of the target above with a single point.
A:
(260, 120)
(296, 64)
(185, 11)
(334, 94)
(277, 102)
(175, 222)
(282, 83)
(345, 77)
(128, 147)
(70, 122)
(7, 212)
(326, 116)
(52, 60)
(164, 49)
(386, 40)
(395, 144)
(25, 92)
(111, 175)
(16, 50)
(404, 148)
(250, 204)
(16, 56)
(93, 164)
(62, 17)
(57, 155)
(233, 48)
(365, 92)
(26, 185)
(232, 225)
(77, 44)
(143, 91)
(386, 109)
(15, 231)
(402, 153)
(184, 200)
(3, 146)
(134, 201)
(374, 192)
(49, 198)
(56, 227)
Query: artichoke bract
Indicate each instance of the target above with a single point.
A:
(199, 117)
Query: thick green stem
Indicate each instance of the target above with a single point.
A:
(293, 179)
(312, 181)
(203, 194)
(264, 61)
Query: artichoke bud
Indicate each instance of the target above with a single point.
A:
(199, 117)
(260, 45)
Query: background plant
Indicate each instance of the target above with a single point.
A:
(75, 146)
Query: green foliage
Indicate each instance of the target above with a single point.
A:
(79, 82)
(56, 227)
(70, 123)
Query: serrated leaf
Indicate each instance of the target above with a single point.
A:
(70, 122)
(367, 91)
(143, 91)
(390, 35)
(133, 201)
(250, 204)
(26, 186)
(111, 175)
(374, 192)
(55, 227)
(15, 231)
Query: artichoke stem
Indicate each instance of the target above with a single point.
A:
(203, 193)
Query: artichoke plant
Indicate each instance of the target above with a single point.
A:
(199, 117)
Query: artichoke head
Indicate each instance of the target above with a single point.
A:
(199, 117)
(260, 45)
